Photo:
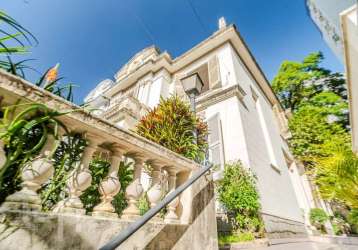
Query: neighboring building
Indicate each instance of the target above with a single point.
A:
(246, 121)
(325, 14)
(349, 19)
(337, 21)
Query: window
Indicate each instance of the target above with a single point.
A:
(265, 131)
(209, 73)
(143, 92)
(216, 152)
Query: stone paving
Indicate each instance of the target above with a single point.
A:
(307, 246)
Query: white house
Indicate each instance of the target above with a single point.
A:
(245, 118)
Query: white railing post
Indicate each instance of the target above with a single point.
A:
(108, 188)
(33, 175)
(171, 216)
(134, 191)
(155, 193)
(78, 182)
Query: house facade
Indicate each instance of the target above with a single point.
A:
(245, 119)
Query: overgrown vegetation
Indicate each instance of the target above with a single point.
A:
(318, 218)
(171, 124)
(237, 192)
(317, 101)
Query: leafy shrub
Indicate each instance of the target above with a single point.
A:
(353, 220)
(318, 217)
(91, 196)
(171, 124)
(237, 192)
(339, 224)
(125, 175)
(143, 204)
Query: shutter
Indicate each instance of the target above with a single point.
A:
(214, 73)
(216, 154)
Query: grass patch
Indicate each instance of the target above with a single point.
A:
(234, 238)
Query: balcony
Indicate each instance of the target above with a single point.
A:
(128, 109)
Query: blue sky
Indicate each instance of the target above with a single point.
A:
(91, 39)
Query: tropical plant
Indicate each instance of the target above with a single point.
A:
(318, 218)
(171, 124)
(19, 37)
(66, 158)
(24, 133)
(337, 176)
(237, 192)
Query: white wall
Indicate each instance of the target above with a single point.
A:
(275, 187)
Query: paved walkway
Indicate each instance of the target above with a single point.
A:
(307, 246)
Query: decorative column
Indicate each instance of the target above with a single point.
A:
(34, 174)
(134, 191)
(171, 216)
(108, 188)
(78, 182)
(155, 193)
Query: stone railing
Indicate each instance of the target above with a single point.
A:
(101, 135)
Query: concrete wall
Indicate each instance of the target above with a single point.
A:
(39, 231)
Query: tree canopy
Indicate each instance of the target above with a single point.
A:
(297, 82)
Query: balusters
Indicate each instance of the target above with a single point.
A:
(33, 175)
(134, 191)
(108, 188)
(78, 182)
(155, 193)
(171, 216)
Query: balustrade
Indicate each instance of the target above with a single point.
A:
(171, 216)
(99, 132)
(109, 187)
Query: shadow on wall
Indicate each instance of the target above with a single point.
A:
(169, 236)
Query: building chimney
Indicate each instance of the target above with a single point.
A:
(222, 23)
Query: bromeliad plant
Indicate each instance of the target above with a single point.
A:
(171, 124)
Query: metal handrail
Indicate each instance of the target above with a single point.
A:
(133, 227)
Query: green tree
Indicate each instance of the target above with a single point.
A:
(297, 82)
(317, 124)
